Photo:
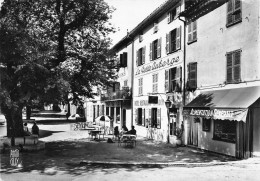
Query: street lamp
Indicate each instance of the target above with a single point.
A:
(168, 104)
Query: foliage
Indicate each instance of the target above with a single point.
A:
(53, 48)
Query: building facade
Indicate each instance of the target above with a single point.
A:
(223, 70)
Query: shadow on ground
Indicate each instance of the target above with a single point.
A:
(67, 157)
(46, 133)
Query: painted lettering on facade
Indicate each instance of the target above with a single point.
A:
(157, 65)
(145, 102)
(212, 113)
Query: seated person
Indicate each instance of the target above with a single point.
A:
(132, 131)
(26, 130)
(123, 130)
(116, 132)
(35, 129)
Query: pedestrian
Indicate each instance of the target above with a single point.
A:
(116, 132)
(132, 131)
(35, 129)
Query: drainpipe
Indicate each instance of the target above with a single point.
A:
(132, 85)
(184, 61)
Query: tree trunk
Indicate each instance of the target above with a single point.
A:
(28, 112)
(14, 122)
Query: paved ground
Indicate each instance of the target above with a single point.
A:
(71, 155)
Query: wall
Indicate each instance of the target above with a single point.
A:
(177, 60)
(256, 127)
(215, 40)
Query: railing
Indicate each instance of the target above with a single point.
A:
(125, 94)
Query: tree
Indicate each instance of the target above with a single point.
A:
(50, 49)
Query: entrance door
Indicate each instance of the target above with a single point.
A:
(124, 117)
(194, 133)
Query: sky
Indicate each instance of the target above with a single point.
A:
(128, 14)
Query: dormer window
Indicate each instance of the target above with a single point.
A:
(173, 14)
(141, 38)
(155, 27)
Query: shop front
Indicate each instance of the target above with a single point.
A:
(225, 121)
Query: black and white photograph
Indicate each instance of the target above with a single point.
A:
(129, 90)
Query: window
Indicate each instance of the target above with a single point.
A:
(173, 14)
(140, 56)
(225, 130)
(233, 66)
(116, 87)
(140, 116)
(173, 40)
(140, 86)
(123, 60)
(192, 32)
(107, 111)
(155, 117)
(206, 124)
(173, 79)
(192, 76)
(155, 27)
(141, 38)
(155, 49)
(234, 12)
(155, 83)
(117, 114)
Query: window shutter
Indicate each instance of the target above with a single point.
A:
(237, 10)
(178, 79)
(151, 52)
(124, 59)
(189, 33)
(137, 58)
(159, 118)
(229, 12)
(229, 68)
(159, 48)
(193, 76)
(178, 10)
(167, 43)
(143, 55)
(136, 116)
(121, 60)
(194, 30)
(166, 85)
(236, 64)
(143, 117)
(150, 117)
(178, 38)
(169, 17)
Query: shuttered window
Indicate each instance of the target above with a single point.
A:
(233, 66)
(155, 27)
(173, 80)
(155, 49)
(173, 14)
(234, 12)
(192, 32)
(158, 118)
(173, 40)
(155, 83)
(140, 86)
(192, 76)
(123, 59)
(140, 56)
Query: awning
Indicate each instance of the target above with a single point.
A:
(231, 104)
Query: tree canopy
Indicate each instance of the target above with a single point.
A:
(52, 48)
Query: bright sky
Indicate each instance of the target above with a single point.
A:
(128, 14)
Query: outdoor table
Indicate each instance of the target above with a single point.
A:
(95, 133)
(128, 140)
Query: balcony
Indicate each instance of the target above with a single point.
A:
(124, 94)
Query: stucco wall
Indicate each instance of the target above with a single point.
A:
(215, 40)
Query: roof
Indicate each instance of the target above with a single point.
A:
(145, 23)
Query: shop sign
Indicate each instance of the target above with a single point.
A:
(145, 102)
(157, 65)
(212, 113)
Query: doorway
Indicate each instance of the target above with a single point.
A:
(124, 117)
(194, 133)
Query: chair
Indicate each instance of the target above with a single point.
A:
(102, 132)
